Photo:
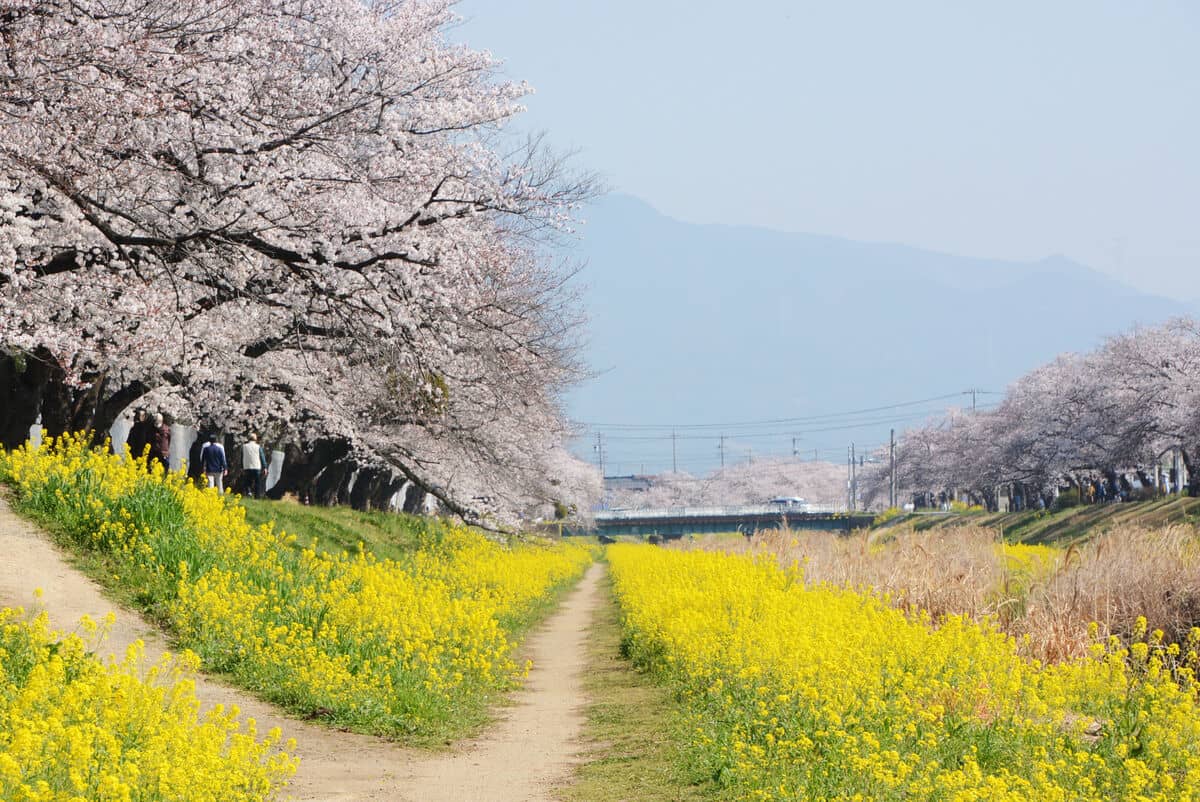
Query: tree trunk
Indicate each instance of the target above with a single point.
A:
(322, 474)
(23, 380)
(33, 384)
(1193, 480)
(991, 499)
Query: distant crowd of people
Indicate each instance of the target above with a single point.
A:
(151, 435)
(1112, 487)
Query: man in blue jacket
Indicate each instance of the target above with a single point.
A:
(212, 460)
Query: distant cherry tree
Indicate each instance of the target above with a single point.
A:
(1080, 419)
(301, 213)
(756, 482)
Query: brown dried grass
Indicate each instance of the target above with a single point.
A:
(1113, 579)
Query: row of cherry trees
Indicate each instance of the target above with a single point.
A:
(1120, 408)
(300, 215)
(821, 483)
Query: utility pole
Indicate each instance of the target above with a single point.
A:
(892, 473)
(815, 455)
(795, 451)
(674, 463)
(599, 449)
(853, 480)
(850, 477)
(721, 448)
(750, 455)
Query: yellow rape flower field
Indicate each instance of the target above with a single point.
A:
(413, 648)
(824, 693)
(74, 729)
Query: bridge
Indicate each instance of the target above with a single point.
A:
(674, 522)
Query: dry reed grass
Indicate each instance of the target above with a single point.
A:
(1111, 580)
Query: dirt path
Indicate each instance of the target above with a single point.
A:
(533, 748)
(525, 755)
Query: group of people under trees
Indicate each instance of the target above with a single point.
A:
(215, 465)
(150, 435)
(1112, 487)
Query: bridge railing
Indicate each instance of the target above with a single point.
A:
(715, 512)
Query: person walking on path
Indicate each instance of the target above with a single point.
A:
(139, 433)
(253, 464)
(160, 443)
(212, 460)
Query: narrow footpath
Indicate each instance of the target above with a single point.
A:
(526, 754)
(532, 749)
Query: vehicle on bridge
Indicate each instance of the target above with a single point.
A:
(790, 503)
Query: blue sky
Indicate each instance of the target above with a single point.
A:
(1012, 130)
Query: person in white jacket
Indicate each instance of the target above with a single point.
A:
(253, 464)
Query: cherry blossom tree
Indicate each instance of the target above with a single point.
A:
(820, 483)
(302, 213)
(1157, 371)
(1117, 409)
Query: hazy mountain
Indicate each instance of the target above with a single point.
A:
(707, 323)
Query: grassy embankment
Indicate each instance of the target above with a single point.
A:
(387, 535)
(1061, 527)
(414, 642)
(337, 529)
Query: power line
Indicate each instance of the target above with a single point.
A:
(774, 421)
(790, 433)
(828, 453)
(698, 451)
(770, 440)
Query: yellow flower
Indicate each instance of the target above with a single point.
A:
(380, 645)
(827, 693)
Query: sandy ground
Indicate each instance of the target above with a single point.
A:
(525, 755)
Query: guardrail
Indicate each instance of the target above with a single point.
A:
(714, 512)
